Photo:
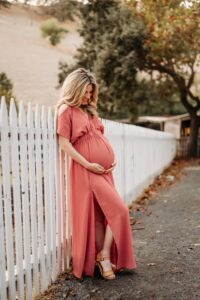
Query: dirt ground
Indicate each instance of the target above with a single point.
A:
(166, 237)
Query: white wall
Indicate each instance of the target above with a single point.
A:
(174, 127)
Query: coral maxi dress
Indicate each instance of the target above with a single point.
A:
(86, 135)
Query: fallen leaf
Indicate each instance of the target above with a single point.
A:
(151, 264)
(167, 178)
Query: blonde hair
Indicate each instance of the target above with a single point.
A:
(74, 88)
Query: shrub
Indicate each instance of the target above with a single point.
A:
(6, 87)
(51, 29)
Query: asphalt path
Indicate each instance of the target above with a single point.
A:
(167, 248)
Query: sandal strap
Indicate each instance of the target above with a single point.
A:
(101, 258)
(108, 273)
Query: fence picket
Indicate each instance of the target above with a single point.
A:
(2, 250)
(57, 198)
(5, 156)
(40, 210)
(47, 203)
(52, 193)
(33, 199)
(23, 133)
(15, 162)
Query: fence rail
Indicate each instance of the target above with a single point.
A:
(182, 147)
(35, 233)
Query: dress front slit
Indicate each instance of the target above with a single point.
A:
(117, 216)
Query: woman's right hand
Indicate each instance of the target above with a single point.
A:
(95, 168)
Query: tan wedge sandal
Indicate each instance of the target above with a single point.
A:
(114, 268)
(109, 275)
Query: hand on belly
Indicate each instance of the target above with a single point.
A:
(105, 161)
(111, 168)
(99, 169)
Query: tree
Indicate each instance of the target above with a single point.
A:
(171, 47)
(110, 35)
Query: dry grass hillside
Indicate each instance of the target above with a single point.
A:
(28, 59)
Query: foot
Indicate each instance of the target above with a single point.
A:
(105, 266)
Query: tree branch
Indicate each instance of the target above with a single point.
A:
(195, 98)
(170, 71)
(191, 76)
(180, 81)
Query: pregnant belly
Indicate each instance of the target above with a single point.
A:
(97, 150)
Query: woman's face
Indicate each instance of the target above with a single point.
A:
(87, 95)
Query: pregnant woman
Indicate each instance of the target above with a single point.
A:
(101, 230)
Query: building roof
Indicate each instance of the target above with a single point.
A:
(162, 119)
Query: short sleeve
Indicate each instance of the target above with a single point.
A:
(100, 125)
(102, 128)
(64, 123)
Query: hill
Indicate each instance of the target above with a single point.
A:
(28, 59)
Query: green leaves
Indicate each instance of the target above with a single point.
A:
(51, 29)
(6, 87)
(171, 47)
(172, 30)
(110, 34)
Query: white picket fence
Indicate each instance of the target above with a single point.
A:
(33, 210)
(35, 233)
(141, 155)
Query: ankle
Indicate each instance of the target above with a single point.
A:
(104, 253)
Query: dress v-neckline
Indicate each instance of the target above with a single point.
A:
(87, 116)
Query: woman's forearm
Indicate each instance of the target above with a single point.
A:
(67, 147)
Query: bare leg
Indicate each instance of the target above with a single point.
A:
(105, 251)
(107, 242)
(103, 237)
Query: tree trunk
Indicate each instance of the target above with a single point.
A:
(193, 140)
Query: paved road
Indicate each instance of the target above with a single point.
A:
(167, 251)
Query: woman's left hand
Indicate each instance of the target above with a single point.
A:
(112, 167)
